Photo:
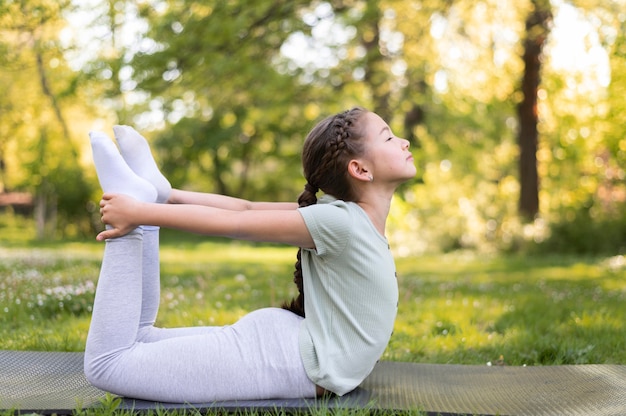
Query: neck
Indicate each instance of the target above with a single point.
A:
(377, 206)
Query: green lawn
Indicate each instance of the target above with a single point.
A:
(454, 308)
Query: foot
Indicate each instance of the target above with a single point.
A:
(136, 152)
(114, 174)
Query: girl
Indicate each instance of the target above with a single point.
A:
(325, 342)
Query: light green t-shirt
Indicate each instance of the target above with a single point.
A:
(350, 295)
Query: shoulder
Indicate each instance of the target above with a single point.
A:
(328, 204)
(328, 210)
(330, 224)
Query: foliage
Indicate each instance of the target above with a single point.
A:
(235, 135)
(37, 153)
(226, 91)
(582, 163)
(587, 234)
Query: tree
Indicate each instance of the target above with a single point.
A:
(226, 107)
(44, 160)
(537, 30)
(375, 64)
(224, 115)
(613, 190)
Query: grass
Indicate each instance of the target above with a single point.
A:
(514, 310)
(455, 308)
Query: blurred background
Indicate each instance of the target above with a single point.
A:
(515, 110)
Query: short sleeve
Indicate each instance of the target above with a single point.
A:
(329, 225)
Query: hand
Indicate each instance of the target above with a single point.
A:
(118, 211)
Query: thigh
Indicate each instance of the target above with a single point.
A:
(256, 358)
(155, 334)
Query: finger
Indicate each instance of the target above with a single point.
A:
(106, 234)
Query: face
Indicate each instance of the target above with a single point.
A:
(387, 157)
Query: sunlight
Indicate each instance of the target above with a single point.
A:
(575, 47)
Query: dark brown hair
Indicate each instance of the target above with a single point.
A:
(328, 148)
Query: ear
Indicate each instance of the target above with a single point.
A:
(358, 170)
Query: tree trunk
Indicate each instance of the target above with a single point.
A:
(376, 74)
(40, 215)
(536, 33)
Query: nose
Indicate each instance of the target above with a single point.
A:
(405, 144)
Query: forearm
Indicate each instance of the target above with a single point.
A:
(199, 219)
(123, 214)
(273, 226)
(224, 202)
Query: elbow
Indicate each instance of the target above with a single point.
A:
(174, 197)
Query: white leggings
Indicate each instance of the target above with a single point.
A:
(256, 358)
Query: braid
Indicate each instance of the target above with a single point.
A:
(296, 305)
(341, 144)
(325, 155)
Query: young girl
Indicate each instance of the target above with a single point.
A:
(325, 342)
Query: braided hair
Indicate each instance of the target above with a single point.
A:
(328, 148)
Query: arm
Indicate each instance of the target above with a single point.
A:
(285, 226)
(225, 202)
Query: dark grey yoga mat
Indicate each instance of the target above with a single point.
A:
(53, 382)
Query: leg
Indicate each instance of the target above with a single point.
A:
(115, 175)
(150, 277)
(151, 294)
(117, 305)
(136, 152)
(256, 358)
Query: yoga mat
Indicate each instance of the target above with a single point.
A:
(53, 383)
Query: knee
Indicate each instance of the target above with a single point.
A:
(90, 369)
(96, 372)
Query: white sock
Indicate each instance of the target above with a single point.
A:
(113, 172)
(136, 152)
